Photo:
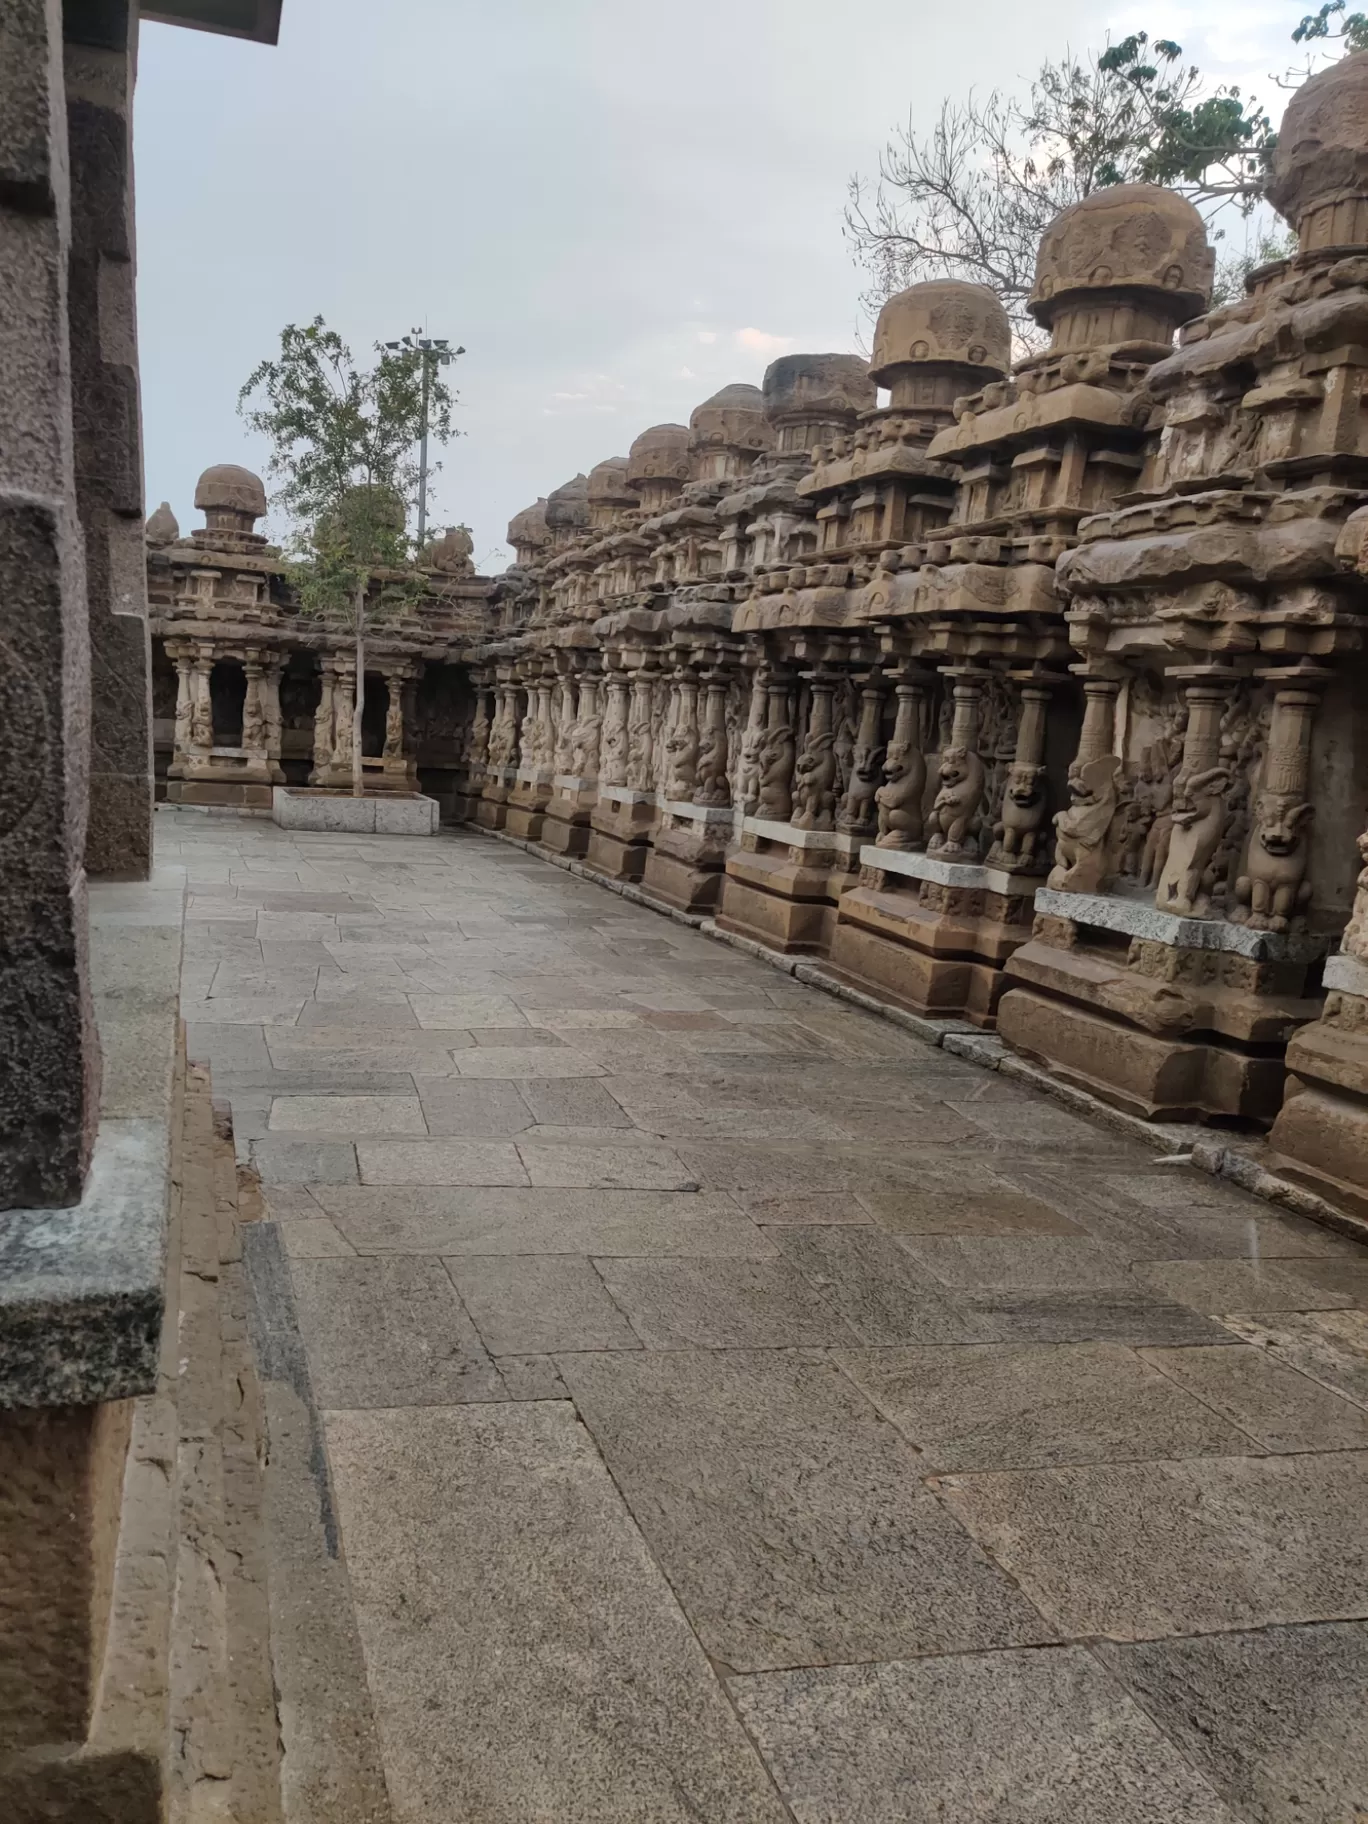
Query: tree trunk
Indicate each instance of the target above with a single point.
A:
(359, 702)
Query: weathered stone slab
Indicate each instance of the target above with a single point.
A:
(1274, 1720)
(1238, 1285)
(883, 1294)
(993, 1738)
(1277, 1407)
(438, 1162)
(1019, 1406)
(500, 1582)
(790, 1520)
(389, 1333)
(455, 1221)
(1329, 1346)
(733, 1304)
(342, 1114)
(1153, 1549)
(533, 1306)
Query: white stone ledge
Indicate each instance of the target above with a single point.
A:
(381, 814)
(625, 794)
(1140, 918)
(1347, 974)
(713, 814)
(833, 842)
(919, 866)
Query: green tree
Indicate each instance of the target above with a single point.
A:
(342, 441)
(972, 198)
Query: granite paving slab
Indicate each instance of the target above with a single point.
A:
(1279, 1408)
(1274, 1720)
(500, 1581)
(1042, 1737)
(1030, 1405)
(535, 1306)
(788, 1517)
(722, 1304)
(389, 1332)
(1134, 1551)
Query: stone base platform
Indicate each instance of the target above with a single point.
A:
(528, 798)
(687, 857)
(227, 792)
(621, 827)
(783, 884)
(566, 827)
(1320, 1138)
(1169, 1018)
(932, 936)
(393, 814)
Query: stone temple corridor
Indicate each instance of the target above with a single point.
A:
(689, 1397)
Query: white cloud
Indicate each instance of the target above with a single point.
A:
(707, 335)
(760, 342)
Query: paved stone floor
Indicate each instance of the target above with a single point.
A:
(737, 1410)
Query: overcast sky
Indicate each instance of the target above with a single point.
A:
(616, 207)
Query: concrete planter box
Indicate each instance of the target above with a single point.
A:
(390, 814)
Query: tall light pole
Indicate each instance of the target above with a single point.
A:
(436, 351)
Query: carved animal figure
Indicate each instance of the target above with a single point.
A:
(748, 768)
(900, 798)
(711, 786)
(1355, 939)
(682, 747)
(858, 811)
(955, 813)
(775, 795)
(1273, 892)
(639, 755)
(1081, 854)
(1199, 813)
(584, 747)
(1017, 833)
(814, 790)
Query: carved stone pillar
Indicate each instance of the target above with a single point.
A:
(752, 743)
(900, 798)
(586, 734)
(774, 793)
(344, 705)
(956, 810)
(565, 715)
(1084, 862)
(1099, 717)
(324, 738)
(395, 686)
(857, 813)
(710, 786)
(181, 740)
(681, 743)
(814, 789)
(1272, 891)
(1199, 792)
(201, 702)
(640, 756)
(270, 708)
(253, 710)
(613, 752)
(1019, 837)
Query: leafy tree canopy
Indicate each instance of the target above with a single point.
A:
(972, 198)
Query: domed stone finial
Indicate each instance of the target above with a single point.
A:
(232, 500)
(567, 508)
(1320, 169)
(808, 397)
(528, 533)
(658, 465)
(727, 432)
(1129, 245)
(163, 528)
(609, 494)
(944, 323)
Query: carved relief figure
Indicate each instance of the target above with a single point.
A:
(900, 798)
(711, 776)
(681, 748)
(1185, 886)
(1273, 892)
(584, 746)
(1355, 939)
(1017, 835)
(955, 812)
(775, 797)
(814, 786)
(859, 810)
(1082, 859)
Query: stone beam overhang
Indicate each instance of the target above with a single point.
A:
(1033, 415)
(258, 20)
